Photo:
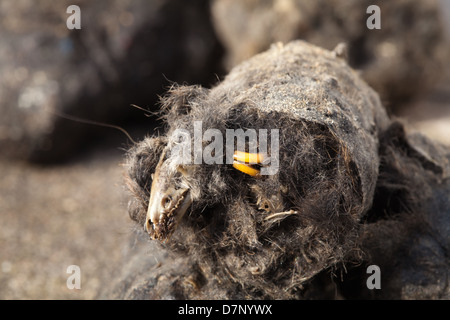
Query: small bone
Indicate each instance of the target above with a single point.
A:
(274, 215)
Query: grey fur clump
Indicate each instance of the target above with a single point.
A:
(348, 174)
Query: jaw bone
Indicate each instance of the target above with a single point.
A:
(169, 200)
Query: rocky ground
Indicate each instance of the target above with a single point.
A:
(54, 217)
(431, 115)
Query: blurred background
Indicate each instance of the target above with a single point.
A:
(62, 196)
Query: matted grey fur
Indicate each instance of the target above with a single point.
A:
(341, 175)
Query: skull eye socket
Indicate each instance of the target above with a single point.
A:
(177, 180)
(265, 206)
(166, 201)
